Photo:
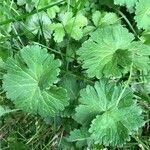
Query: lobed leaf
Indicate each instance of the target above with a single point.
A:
(104, 18)
(29, 82)
(112, 121)
(72, 25)
(111, 50)
(107, 52)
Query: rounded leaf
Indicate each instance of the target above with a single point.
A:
(106, 52)
(111, 122)
(29, 82)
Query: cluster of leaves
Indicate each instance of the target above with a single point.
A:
(81, 66)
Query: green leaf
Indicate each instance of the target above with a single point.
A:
(52, 11)
(72, 25)
(106, 52)
(113, 121)
(21, 2)
(29, 4)
(115, 126)
(71, 51)
(128, 3)
(141, 59)
(145, 38)
(59, 32)
(70, 83)
(80, 136)
(39, 23)
(142, 16)
(109, 18)
(88, 29)
(29, 82)
(75, 25)
(96, 17)
(104, 18)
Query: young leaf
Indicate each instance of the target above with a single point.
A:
(29, 4)
(59, 32)
(104, 18)
(72, 25)
(52, 11)
(106, 52)
(142, 16)
(109, 18)
(113, 121)
(29, 82)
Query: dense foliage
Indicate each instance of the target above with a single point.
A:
(75, 74)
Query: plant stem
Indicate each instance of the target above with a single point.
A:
(127, 84)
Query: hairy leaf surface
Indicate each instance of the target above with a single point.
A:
(112, 120)
(107, 52)
(29, 82)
